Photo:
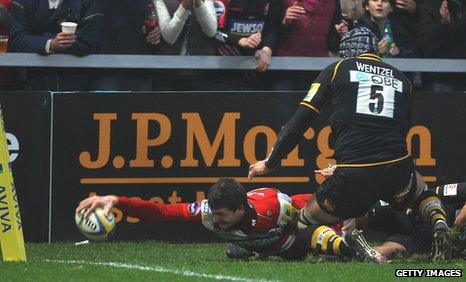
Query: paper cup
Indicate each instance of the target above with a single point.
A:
(69, 27)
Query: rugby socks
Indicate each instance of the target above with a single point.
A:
(325, 240)
(304, 219)
(431, 211)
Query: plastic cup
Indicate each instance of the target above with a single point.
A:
(69, 27)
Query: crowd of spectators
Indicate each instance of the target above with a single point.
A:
(260, 28)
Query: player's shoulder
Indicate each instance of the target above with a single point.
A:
(263, 199)
(269, 204)
(335, 65)
(332, 70)
(270, 196)
(262, 193)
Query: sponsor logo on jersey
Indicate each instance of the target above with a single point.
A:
(258, 194)
(245, 27)
(194, 208)
(362, 76)
(312, 92)
(328, 205)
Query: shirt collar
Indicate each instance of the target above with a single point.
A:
(370, 56)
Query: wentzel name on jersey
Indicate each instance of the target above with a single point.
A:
(375, 75)
(374, 69)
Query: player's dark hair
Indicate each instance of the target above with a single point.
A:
(227, 193)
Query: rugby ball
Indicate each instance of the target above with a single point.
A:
(98, 226)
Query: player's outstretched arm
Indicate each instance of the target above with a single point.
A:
(93, 202)
(287, 139)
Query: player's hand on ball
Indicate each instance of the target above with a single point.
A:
(98, 226)
(258, 168)
(93, 202)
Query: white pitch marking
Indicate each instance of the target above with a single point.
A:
(157, 268)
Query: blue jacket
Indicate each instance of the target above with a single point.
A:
(33, 23)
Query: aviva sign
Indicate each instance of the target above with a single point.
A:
(11, 232)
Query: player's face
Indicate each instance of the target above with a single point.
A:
(224, 218)
(379, 9)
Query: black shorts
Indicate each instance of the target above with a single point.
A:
(352, 191)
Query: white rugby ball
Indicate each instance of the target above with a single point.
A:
(97, 226)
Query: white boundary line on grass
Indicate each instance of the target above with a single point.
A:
(157, 268)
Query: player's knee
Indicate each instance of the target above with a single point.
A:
(307, 215)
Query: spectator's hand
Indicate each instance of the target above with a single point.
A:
(62, 41)
(153, 37)
(258, 168)
(91, 203)
(186, 4)
(444, 13)
(383, 46)
(407, 5)
(197, 3)
(341, 29)
(251, 42)
(394, 50)
(294, 12)
(460, 220)
(263, 59)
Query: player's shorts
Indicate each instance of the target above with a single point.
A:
(351, 191)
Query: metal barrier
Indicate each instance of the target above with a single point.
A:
(210, 62)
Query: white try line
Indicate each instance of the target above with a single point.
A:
(160, 269)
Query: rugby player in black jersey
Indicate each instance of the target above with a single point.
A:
(408, 234)
(405, 231)
(371, 103)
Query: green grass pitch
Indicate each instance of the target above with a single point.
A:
(156, 261)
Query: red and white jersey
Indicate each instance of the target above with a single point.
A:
(267, 226)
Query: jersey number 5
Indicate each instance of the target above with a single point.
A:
(374, 96)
